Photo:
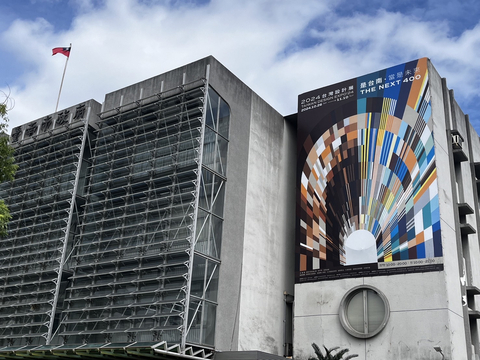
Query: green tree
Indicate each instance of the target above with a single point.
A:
(7, 162)
(329, 355)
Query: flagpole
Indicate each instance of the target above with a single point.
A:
(63, 76)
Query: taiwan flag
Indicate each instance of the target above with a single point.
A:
(61, 50)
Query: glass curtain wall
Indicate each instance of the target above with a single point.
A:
(206, 260)
(32, 272)
(131, 261)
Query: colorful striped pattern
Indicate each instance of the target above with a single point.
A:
(375, 171)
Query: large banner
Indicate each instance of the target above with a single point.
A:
(367, 194)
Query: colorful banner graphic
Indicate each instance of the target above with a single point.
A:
(367, 194)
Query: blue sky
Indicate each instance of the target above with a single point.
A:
(280, 48)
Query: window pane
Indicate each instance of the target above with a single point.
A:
(217, 236)
(221, 159)
(212, 109)
(208, 325)
(212, 278)
(224, 117)
(198, 276)
(355, 312)
(219, 195)
(209, 148)
(202, 229)
(376, 310)
(205, 196)
(194, 319)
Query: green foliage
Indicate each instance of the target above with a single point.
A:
(3, 115)
(4, 218)
(7, 163)
(329, 353)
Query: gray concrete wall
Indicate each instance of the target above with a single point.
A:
(268, 237)
(238, 96)
(467, 192)
(91, 109)
(163, 82)
(449, 217)
(257, 244)
(418, 314)
(474, 240)
(426, 308)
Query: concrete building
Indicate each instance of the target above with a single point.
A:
(151, 223)
(161, 222)
(388, 162)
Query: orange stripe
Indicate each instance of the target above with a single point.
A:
(417, 84)
(425, 186)
(410, 160)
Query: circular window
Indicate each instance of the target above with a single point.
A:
(364, 311)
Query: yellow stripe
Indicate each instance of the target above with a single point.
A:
(385, 110)
(380, 136)
(426, 183)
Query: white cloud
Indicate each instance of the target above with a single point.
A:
(122, 42)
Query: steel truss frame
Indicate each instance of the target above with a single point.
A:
(135, 254)
(42, 202)
(116, 229)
